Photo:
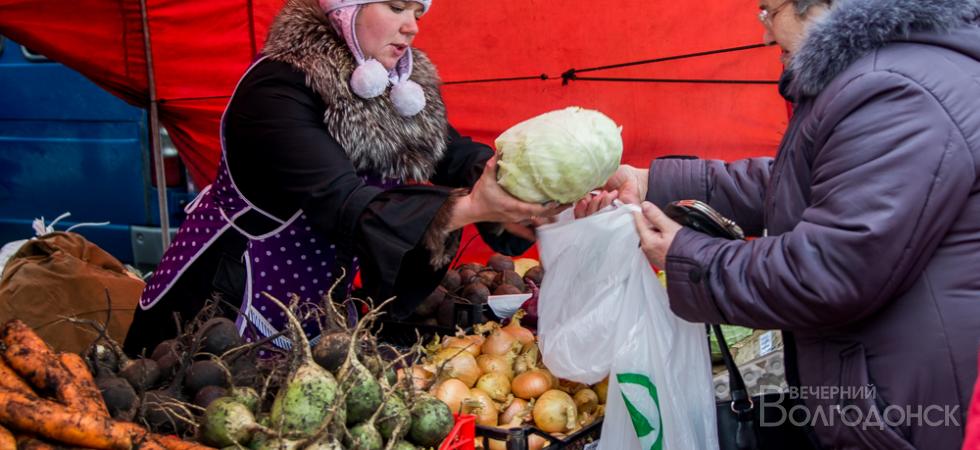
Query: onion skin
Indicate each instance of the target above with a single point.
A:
(496, 385)
(514, 328)
(458, 364)
(486, 413)
(555, 412)
(600, 389)
(421, 378)
(531, 384)
(471, 344)
(514, 412)
(452, 392)
(499, 343)
(586, 400)
(497, 363)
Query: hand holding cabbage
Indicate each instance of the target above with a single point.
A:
(559, 156)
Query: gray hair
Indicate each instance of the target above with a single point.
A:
(802, 6)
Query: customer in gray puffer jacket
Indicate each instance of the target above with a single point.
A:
(869, 217)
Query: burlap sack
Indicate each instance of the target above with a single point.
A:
(64, 275)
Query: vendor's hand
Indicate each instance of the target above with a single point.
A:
(656, 232)
(488, 202)
(630, 182)
(594, 202)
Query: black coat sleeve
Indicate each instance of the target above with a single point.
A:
(283, 158)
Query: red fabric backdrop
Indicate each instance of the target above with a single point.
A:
(201, 48)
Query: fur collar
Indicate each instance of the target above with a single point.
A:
(854, 28)
(375, 137)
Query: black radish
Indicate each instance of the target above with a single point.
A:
(208, 394)
(219, 335)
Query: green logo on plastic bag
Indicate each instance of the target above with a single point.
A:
(643, 405)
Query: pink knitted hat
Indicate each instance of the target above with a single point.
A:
(371, 78)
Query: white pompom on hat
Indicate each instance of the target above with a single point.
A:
(370, 79)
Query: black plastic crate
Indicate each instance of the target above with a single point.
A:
(516, 439)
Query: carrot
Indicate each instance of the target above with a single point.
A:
(172, 442)
(7, 441)
(27, 354)
(50, 420)
(29, 443)
(90, 398)
(10, 380)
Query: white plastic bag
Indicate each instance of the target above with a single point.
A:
(603, 312)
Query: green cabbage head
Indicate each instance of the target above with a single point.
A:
(561, 155)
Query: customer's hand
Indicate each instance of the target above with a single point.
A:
(488, 202)
(593, 203)
(630, 182)
(657, 232)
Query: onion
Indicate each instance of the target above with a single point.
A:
(452, 392)
(531, 384)
(535, 442)
(514, 328)
(457, 364)
(497, 364)
(421, 378)
(482, 406)
(600, 389)
(499, 343)
(514, 412)
(572, 387)
(554, 412)
(471, 344)
(586, 400)
(527, 360)
(496, 385)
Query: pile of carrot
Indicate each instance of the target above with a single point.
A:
(50, 399)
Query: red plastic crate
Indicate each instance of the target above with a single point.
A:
(463, 434)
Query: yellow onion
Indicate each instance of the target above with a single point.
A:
(454, 363)
(452, 392)
(554, 412)
(499, 343)
(586, 400)
(471, 344)
(496, 385)
(482, 406)
(497, 364)
(531, 384)
(514, 412)
(600, 389)
(421, 378)
(535, 442)
(514, 328)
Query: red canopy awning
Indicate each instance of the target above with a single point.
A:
(200, 49)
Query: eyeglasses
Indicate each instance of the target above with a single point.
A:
(766, 16)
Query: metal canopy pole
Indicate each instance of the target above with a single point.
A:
(158, 163)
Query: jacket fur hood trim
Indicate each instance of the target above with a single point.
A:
(854, 28)
(375, 137)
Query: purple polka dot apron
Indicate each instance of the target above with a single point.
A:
(292, 259)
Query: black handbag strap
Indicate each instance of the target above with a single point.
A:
(742, 405)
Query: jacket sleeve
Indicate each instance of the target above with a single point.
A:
(283, 158)
(736, 189)
(890, 176)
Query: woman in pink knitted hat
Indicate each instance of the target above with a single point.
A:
(336, 155)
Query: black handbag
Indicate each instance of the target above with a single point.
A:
(762, 422)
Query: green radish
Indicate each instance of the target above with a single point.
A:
(403, 445)
(431, 421)
(227, 422)
(364, 437)
(394, 413)
(364, 393)
(246, 396)
(307, 397)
